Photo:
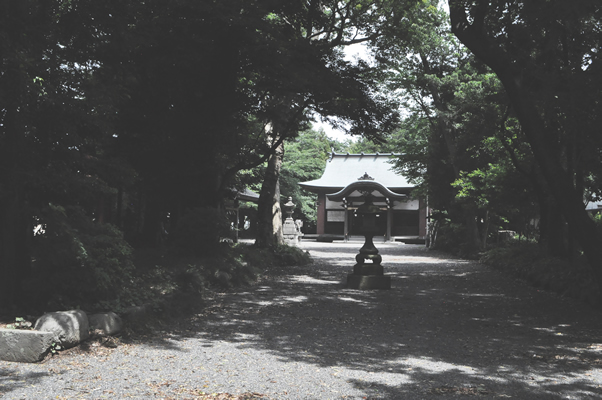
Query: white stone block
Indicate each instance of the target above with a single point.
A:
(23, 345)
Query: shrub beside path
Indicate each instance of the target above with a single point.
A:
(448, 328)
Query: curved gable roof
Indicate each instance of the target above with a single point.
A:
(343, 169)
(368, 185)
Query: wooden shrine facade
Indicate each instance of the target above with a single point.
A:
(401, 217)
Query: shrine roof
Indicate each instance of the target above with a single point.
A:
(248, 195)
(343, 169)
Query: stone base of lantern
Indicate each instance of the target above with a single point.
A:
(366, 282)
(368, 276)
(368, 269)
(291, 233)
(292, 240)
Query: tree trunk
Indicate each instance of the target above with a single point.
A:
(485, 230)
(553, 233)
(15, 259)
(277, 213)
(15, 221)
(473, 238)
(269, 215)
(152, 234)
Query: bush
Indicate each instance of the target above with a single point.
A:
(174, 273)
(224, 271)
(290, 255)
(176, 282)
(81, 263)
(451, 238)
(526, 261)
(597, 217)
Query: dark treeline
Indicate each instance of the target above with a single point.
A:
(118, 118)
(503, 106)
(121, 121)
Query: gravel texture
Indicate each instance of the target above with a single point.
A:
(448, 328)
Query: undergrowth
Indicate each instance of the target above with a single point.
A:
(176, 284)
(571, 278)
(165, 281)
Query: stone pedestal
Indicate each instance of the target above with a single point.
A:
(368, 275)
(291, 230)
(291, 233)
(366, 282)
(371, 275)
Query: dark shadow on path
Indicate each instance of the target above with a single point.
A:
(447, 327)
(11, 380)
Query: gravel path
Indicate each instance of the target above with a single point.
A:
(448, 329)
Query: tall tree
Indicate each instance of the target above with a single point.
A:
(432, 71)
(546, 56)
(461, 140)
(204, 80)
(22, 30)
(311, 74)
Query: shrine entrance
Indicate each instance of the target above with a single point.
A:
(399, 216)
(356, 222)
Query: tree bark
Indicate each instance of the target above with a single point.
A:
(15, 260)
(152, 232)
(269, 214)
(15, 222)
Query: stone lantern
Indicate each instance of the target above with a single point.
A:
(290, 230)
(367, 275)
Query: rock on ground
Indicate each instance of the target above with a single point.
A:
(69, 327)
(105, 324)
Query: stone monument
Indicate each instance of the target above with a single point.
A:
(291, 230)
(367, 275)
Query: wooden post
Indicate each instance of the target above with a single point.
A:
(389, 220)
(346, 223)
(321, 224)
(422, 215)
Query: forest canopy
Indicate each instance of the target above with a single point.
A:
(122, 121)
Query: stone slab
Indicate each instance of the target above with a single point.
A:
(367, 282)
(23, 345)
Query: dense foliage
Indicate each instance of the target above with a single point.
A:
(132, 122)
(128, 125)
(494, 133)
(304, 160)
(546, 56)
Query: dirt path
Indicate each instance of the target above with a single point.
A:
(447, 329)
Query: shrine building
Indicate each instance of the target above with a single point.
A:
(402, 218)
